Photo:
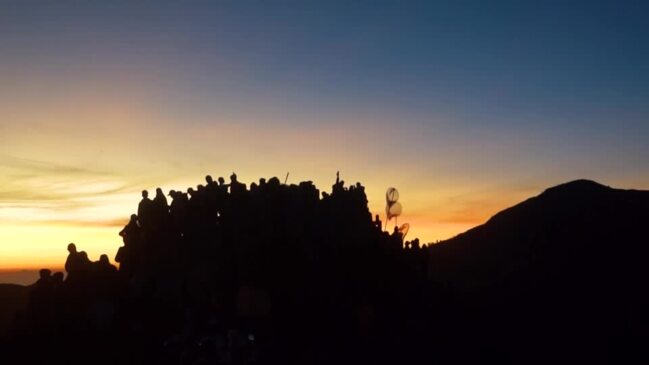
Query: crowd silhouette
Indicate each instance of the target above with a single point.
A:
(227, 274)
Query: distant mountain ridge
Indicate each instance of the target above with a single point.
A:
(559, 276)
(575, 219)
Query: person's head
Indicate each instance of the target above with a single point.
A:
(104, 259)
(44, 273)
(133, 217)
(209, 179)
(145, 194)
(159, 192)
(172, 193)
(84, 255)
(72, 248)
(233, 177)
(221, 180)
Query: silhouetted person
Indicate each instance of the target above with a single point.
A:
(74, 263)
(397, 237)
(41, 296)
(105, 275)
(236, 188)
(131, 233)
(160, 201)
(45, 276)
(338, 187)
(160, 211)
(210, 182)
(58, 288)
(415, 244)
(44, 284)
(104, 265)
(145, 210)
(45, 281)
(377, 222)
(128, 254)
(178, 210)
(274, 182)
(84, 262)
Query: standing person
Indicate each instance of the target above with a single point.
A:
(144, 210)
(73, 264)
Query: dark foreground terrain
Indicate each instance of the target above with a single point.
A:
(274, 273)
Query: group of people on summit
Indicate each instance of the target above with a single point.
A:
(227, 254)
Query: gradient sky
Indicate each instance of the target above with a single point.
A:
(467, 107)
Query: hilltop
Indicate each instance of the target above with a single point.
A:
(279, 273)
(562, 274)
(575, 224)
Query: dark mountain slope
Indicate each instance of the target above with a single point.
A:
(572, 227)
(560, 277)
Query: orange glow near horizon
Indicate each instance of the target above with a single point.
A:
(35, 235)
(68, 182)
(37, 226)
(71, 184)
(72, 164)
(39, 245)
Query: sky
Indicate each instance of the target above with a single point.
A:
(466, 107)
